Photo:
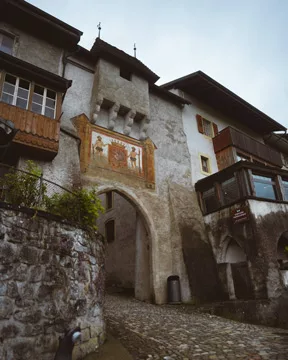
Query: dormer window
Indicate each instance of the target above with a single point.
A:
(6, 43)
(29, 96)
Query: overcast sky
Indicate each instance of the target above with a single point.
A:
(241, 44)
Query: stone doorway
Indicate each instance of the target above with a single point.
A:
(233, 271)
(128, 255)
(282, 257)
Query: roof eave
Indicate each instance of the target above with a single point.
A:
(28, 17)
(168, 95)
(179, 84)
(104, 50)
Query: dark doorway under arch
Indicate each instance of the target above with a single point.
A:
(282, 257)
(234, 271)
(128, 257)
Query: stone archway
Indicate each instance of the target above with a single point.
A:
(282, 257)
(129, 253)
(233, 270)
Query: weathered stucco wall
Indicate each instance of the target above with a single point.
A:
(110, 85)
(172, 165)
(201, 144)
(78, 97)
(52, 279)
(35, 51)
(258, 238)
(199, 263)
(64, 169)
(269, 221)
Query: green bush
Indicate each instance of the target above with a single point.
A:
(83, 207)
(24, 188)
(27, 189)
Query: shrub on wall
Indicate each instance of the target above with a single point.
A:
(24, 188)
(83, 206)
(27, 188)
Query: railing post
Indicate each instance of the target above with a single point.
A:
(279, 188)
(40, 189)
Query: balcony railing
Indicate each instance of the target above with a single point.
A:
(243, 180)
(35, 130)
(231, 137)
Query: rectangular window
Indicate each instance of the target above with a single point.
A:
(6, 43)
(109, 200)
(110, 231)
(285, 187)
(16, 92)
(210, 200)
(264, 186)
(230, 190)
(205, 164)
(125, 74)
(207, 128)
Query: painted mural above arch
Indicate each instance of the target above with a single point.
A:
(113, 155)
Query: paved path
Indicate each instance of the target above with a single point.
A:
(179, 332)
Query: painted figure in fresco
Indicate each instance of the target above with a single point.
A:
(133, 157)
(98, 146)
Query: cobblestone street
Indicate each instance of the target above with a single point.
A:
(178, 332)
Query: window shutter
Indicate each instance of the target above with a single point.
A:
(200, 123)
(215, 129)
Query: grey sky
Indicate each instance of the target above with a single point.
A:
(241, 44)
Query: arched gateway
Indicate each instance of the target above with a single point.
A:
(126, 227)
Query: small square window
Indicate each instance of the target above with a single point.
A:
(207, 128)
(6, 43)
(205, 164)
(126, 74)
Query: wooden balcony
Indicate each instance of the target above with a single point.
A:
(230, 137)
(37, 133)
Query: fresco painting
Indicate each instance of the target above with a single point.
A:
(116, 154)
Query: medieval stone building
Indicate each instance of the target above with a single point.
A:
(192, 177)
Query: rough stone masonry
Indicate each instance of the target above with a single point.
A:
(51, 279)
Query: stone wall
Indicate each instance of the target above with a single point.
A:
(51, 279)
(257, 237)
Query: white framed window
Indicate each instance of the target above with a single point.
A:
(44, 101)
(17, 91)
(6, 43)
(205, 164)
